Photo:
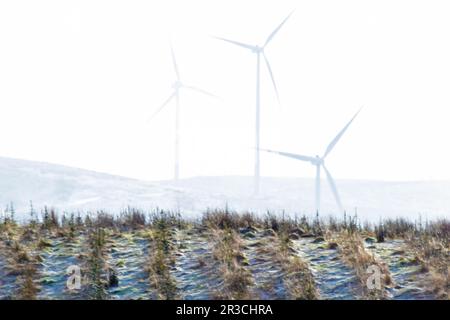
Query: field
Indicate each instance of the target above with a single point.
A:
(222, 255)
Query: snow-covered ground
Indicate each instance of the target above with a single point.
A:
(71, 189)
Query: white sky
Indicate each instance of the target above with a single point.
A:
(79, 79)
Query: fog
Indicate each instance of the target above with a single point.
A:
(80, 79)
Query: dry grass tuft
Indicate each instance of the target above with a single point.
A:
(227, 251)
(434, 257)
(354, 254)
(23, 264)
(298, 278)
(161, 257)
(96, 265)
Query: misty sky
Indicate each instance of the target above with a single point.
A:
(79, 79)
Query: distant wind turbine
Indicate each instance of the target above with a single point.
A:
(258, 51)
(177, 86)
(320, 162)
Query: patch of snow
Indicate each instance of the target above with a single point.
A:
(70, 189)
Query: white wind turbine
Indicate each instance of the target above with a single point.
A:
(177, 86)
(258, 51)
(319, 162)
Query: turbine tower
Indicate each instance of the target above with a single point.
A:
(177, 86)
(258, 50)
(319, 162)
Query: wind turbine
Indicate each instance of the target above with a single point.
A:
(258, 50)
(319, 162)
(177, 86)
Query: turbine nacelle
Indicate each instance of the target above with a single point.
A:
(258, 49)
(177, 85)
(318, 161)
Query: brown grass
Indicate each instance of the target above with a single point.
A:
(298, 278)
(96, 266)
(22, 242)
(434, 257)
(227, 251)
(354, 254)
(24, 264)
(161, 258)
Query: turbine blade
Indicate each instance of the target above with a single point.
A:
(201, 91)
(291, 155)
(333, 188)
(274, 32)
(175, 65)
(163, 105)
(339, 135)
(271, 76)
(240, 44)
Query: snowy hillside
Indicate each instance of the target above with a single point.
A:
(72, 189)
